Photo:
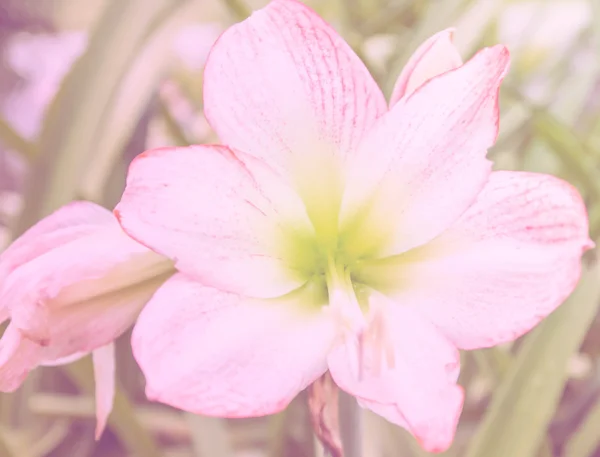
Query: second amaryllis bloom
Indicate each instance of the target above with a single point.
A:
(71, 285)
(333, 232)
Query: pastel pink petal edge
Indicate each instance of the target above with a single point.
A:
(435, 56)
(284, 87)
(221, 354)
(507, 263)
(66, 224)
(412, 383)
(216, 214)
(435, 140)
(74, 298)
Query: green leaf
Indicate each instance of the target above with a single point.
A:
(11, 139)
(238, 9)
(493, 362)
(576, 156)
(524, 403)
(133, 96)
(76, 118)
(586, 439)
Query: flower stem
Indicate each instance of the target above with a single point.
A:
(350, 425)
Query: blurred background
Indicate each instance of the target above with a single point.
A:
(85, 85)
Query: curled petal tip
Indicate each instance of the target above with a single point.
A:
(99, 432)
(502, 55)
(435, 56)
(441, 441)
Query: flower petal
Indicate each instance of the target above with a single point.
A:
(435, 56)
(416, 389)
(284, 87)
(424, 162)
(507, 263)
(64, 360)
(72, 221)
(83, 294)
(18, 356)
(219, 354)
(217, 214)
(104, 377)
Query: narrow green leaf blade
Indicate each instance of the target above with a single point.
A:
(586, 439)
(576, 157)
(135, 91)
(10, 138)
(524, 403)
(76, 116)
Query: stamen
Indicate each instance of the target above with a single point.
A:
(375, 340)
(342, 298)
(390, 354)
(375, 350)
(344, 304)
(361, 356)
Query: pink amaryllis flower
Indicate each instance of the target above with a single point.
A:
(335, 232)
(70, 285)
